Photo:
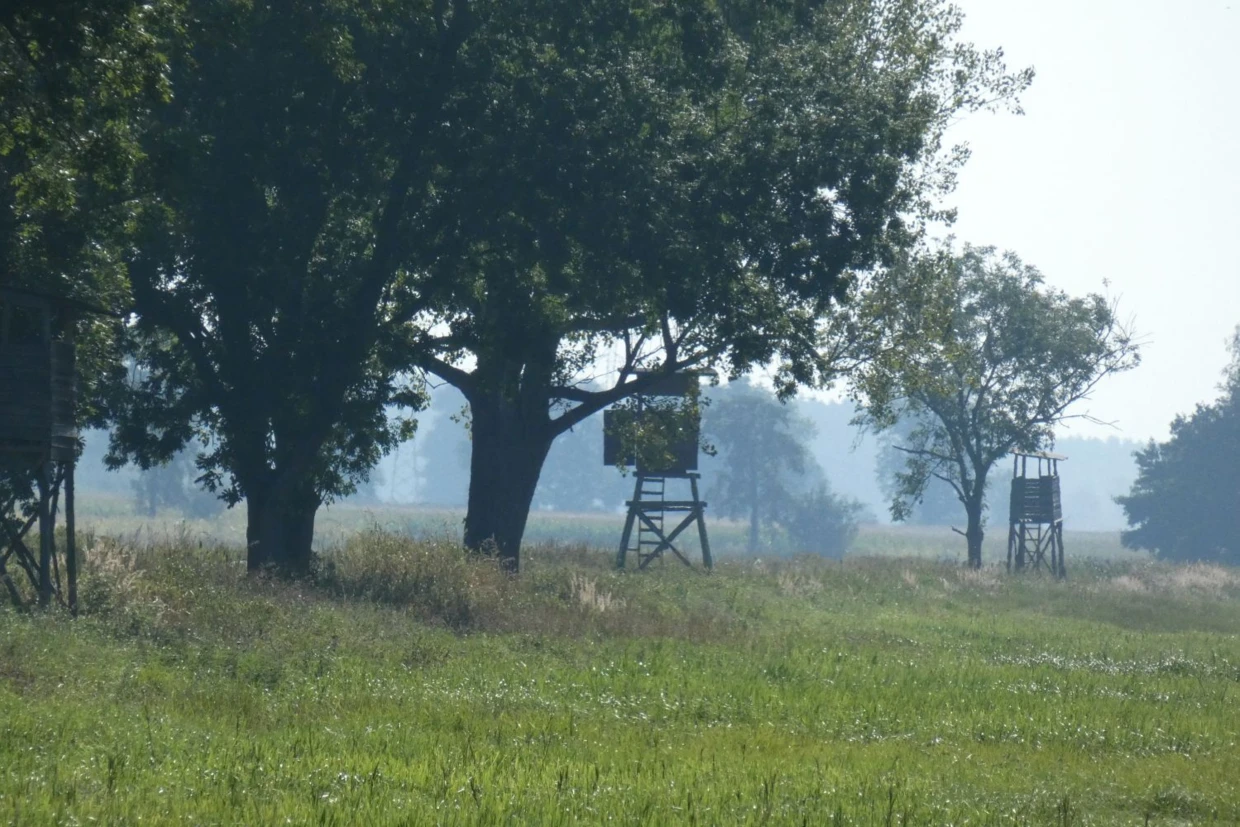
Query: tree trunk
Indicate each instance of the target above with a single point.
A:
(506, 459)
(280, 530)
(974, 534)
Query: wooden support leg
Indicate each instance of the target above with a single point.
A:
(71, 561)
(700, 511)
(46, 534)
(9, 585)
(628, 523)
(1063, 569)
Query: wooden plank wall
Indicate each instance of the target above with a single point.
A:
(25, 393)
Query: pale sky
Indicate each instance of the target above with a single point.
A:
(1125, 167)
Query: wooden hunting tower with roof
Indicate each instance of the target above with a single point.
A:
(38, 432)
(661, 444)
(1035, 531)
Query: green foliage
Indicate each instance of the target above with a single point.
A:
(868, 692)
(982, 357)
(768, 477)
(821, 521)
(77, 83)
(1183, 503)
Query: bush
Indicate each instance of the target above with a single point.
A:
(822, 522)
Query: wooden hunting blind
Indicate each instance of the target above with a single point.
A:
(660, 442)
(1035, 521)
(38, 432)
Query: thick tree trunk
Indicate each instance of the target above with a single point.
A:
(974, 534)
(280, 530)
(506, 460)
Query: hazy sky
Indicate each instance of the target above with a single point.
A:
(1125, 167)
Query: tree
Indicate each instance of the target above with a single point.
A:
(763, 458)
(288, 173)
(765, 473)
(982, 356)
(1185, 502)
(574, 477)
(687, 184)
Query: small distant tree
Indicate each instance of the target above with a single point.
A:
(768, 476)
(763, 456)
(1185, 503)
(574, 477)
(983, 356)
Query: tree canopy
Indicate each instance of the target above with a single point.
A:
(982, 356)
(77, 81)
(1185, 503)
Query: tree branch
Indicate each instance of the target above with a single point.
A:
(460, 379)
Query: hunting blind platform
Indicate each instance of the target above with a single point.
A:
(1035, 530)
(38, 435)
(661, 445)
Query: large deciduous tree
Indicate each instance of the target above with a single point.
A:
(983, 356)
(1185, 503)
(680, 184)
(286, 177)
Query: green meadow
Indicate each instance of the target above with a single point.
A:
(407, 685)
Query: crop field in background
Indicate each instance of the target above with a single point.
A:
(407, 685)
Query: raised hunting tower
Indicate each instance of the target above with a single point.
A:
(38, 435)
(661, 445)
(1035, 531)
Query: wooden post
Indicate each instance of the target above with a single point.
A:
(1063, 568)
(47, 535)
(628, 523)
(71, 561)
(701, 521)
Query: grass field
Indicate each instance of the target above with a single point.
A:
(409, 686)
